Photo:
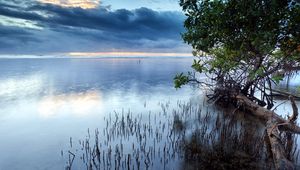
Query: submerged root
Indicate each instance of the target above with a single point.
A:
(276, 125)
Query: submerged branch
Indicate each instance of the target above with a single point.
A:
(278, 151)
(275, 123)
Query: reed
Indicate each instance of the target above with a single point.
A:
(187, 136)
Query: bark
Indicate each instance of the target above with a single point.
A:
(274, 123)
(277, 148)
(284, 94)
(294, 117)
(266, 114)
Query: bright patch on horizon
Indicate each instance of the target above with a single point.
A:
(127, 54)
(85, 4)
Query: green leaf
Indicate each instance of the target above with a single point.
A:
(197, 66)
(260, 71)
(180, 80)
(277, 78)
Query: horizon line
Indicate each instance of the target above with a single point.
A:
(98, 54)
(128, 54)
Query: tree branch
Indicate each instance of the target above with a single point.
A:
(295, 114)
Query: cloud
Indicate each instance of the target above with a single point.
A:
(13, 38)
(92, 29)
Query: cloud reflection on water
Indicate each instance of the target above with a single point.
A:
(20, 86)
(79, 104)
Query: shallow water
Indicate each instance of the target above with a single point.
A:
(46, 105)
(44, 102)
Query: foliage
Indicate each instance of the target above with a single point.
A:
(180, 79)
(252, 43)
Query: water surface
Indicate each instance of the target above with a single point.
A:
(44, 102)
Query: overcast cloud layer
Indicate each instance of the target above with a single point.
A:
(33, 27)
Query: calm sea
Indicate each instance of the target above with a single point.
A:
(46, 104)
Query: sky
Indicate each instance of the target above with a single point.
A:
(91, 26)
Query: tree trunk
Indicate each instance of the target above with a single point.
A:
(274, 123)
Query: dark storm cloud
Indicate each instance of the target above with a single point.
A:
(16, 40)
(143, 27)
(17, 34)
(11, 12)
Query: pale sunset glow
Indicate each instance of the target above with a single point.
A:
(128, 54)
(85, 4)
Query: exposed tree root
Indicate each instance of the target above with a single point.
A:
(284, 94)
(274, 124)
(278, 152)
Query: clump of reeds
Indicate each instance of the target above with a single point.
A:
(225, 145)
(186, 136)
